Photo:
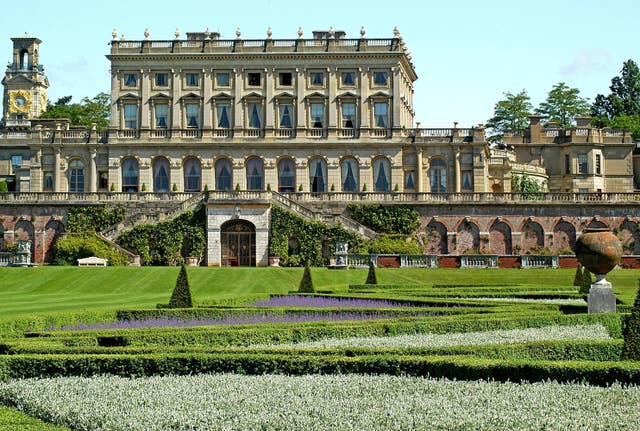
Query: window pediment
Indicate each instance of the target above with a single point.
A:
(161, 95)
(191, 96)
(222, 95)
(253, 95)
(316, 95)
(285, 95)
(347, 95)
(380, 95)
(129, 96)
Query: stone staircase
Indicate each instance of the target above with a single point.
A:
(329, 218)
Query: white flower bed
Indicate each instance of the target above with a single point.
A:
(547, 333)
(340, 402)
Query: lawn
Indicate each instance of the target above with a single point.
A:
(55, 289)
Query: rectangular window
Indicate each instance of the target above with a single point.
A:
(285, 79)
(467, 180)
(162, 79)
(316, 78)
(583, 165)
(161, 113)
(254, 79)
(348, 78)
(16, 161)
(131, 116)
(255, 115)
(103, 180)
(130, 80)
(286, 111)
(380, 78)
(380, 114)
(317, 115)
(348, 115)
(192, 79)
(222, 79)
(598, 164)
(222, 111)
(193, 114)
(47, 185)
(567, 164)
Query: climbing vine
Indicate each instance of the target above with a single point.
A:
(168, 242)
(94, 218)
(297, 241)
(391, 219)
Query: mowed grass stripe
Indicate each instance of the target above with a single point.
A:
(52, 289)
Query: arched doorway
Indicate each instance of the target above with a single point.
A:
(238, 241)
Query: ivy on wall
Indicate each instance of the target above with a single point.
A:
(297, 241)
(390, 219)
(168, 242)
(94, 218)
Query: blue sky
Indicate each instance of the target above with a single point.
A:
(466, 53)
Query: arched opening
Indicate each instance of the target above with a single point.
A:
(192, 175)
(435, 241)
(238, 241)
(438, 176)
(532, 237)
(76, 176)
(629, 237)
(53, 230)
(224, 175)
(349, 173)
(161, 175)
(255, 174)
(564, 237)
(130, 175)
(500, 238)
(24, 59)
(381, 175)
(286, 175)
(1, 237)
(597, 224)
(468, 238)
(317, 175)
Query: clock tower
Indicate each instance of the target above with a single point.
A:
(25, 84)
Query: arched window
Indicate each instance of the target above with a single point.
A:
(349, 173)
(224, 176)
(130, 175)
(318, 175)
(381, 175)
(438, 175)
(286, 175)
(192, 175)
(76, 176)
(255, 173)
(161, 175)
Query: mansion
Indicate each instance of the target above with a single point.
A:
(324, 117)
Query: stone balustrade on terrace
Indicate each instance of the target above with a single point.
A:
(221, 46)
(383, 197)
(560, 136)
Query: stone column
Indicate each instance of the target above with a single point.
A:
(419, 174)
(176, 114)
(93, 171)
(301, 116)
(238, 85)
(269, 102)
(56, 169)
(458, 178)
(145, 114)
(207, 112)
(332, 85)
(427, 179)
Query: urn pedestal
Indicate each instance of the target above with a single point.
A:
(599, 251)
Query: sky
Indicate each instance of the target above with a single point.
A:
(466, 53)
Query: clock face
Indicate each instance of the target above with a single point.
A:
(20, 101)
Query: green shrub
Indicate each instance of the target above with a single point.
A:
(631, 332)
(371, 276)
(4, 187)
(93, 218)
(577, 278)
(392, 219)
(388, 244)
(585, 284)
(181, 296)
(306, 284)
(67, 250)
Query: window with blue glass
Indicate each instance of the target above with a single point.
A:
(130, 80)
(192, 175)
(161, 174)
(222, 79)
(222, 111)
(161, 114)
(286, 110)
(224, 177)
(16, 161)
(255, 115)
(348, 115)
(130, 175)
(76, 176)
(380, 114)
(162, 79)
(286, 175)
(348, 78)
(192, 79)
(317, 115)
(316, 78)
(193, 114)
(255, 174)
(317, 175)
(381, 175)
(349, 171)
(438, 176)
(131, 115)
(380, 78)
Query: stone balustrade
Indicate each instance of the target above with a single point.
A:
(479, 261)
(539, 261)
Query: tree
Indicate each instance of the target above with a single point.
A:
(563, 104)
(525, 184)
(181, 296)
(631, 332)
(585, 284)
(621, 108)
(85, 113)
(511, 113)
(371, 276)
(306, 284)
(577, 278)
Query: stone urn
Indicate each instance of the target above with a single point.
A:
(599, 250)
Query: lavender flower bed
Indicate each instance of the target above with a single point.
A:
(327, 302)
(160, 322)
